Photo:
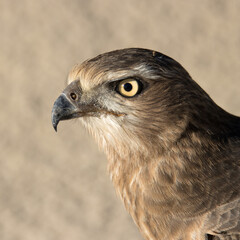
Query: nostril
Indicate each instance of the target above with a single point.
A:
(73, 96)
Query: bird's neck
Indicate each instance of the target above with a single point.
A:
(136, 186)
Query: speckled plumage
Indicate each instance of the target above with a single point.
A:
(174, 155)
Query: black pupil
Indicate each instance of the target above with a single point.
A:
(73, 96)
(127, 87)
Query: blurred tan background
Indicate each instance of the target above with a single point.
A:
(55, 185)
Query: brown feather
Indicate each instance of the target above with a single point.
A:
(174, 155)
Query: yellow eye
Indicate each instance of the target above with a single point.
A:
(128, 87)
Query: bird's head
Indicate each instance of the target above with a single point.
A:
(129, 99)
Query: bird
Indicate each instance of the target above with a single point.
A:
(173, 153)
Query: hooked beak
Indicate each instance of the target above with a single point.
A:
(63, 109)
(66, 107)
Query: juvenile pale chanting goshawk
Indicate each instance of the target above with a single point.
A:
(173, 154)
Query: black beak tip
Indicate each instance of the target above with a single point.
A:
(54, 122)
(62, 109)
(55, 127)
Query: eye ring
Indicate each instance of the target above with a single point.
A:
(129, 87)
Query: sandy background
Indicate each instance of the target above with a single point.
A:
(55, 186)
